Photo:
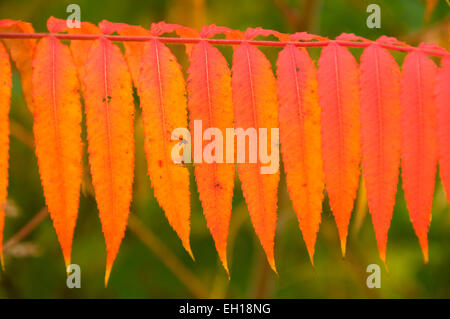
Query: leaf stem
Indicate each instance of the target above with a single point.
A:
(138, 38)
(27, 229)
(172, 262)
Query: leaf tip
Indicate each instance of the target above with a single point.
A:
(310, 250)
(225, 266)
(272, 265)
(67, 261)
(107, 274)
(67, 254)
(382, 253)
(385, 266)
(223, 259)
(109, 263)
(343, 245)
(424, 245)
(187, 247)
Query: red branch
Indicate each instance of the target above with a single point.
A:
(12, 35)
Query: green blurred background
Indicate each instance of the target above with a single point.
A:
(152, 262)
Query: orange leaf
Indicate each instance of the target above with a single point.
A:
(338, 86)
(443, 121)
(210, 101)
(256, 106)
(57, 132)
(21, 51)
(299, 118)
(5, 95)
(380, 136)
(162, 93)
(419, 145)
(79, 48)
(133, 50)
(161, 27)
(109, 118)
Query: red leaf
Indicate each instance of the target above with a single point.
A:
(210, 100)
(256, 106)
(299, 118)
(419, 146)
(380, 136)
(338, 87)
